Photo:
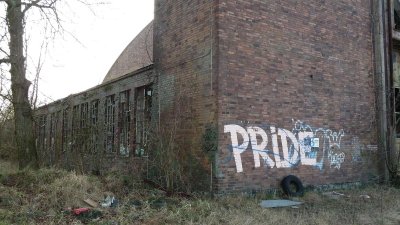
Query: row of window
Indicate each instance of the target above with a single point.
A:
(79, 129)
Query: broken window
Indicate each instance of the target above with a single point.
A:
(109, 124)
(53, 130)
(75, 125)
(397, 110)
(65, 130)
(143, 117)
(94, 115)
(396, 14)
(83, 132)
(124, 122)
(396, 88)
(84, 114)
(42, 133)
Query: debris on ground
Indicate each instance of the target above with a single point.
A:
(365, 196)
(279, 203)
(337, 193)
(86, 215)
(79, 211)
(91, 203)
(334, 194)
(109, 201)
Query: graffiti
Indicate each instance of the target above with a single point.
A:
(372, 147)
(336, 159)
(237, 149)
(303, 145)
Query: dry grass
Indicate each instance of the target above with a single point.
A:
(382, 208)
(7, 167)
(42, 198)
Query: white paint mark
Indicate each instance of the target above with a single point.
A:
(307, 158)
(336, 160)
(275, 147)
(236, 148)
(290, 157)
(315, 143)
(259, 149)
(302, 145)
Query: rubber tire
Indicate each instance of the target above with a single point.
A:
(292, 180)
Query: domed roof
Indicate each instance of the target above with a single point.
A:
(138, 54)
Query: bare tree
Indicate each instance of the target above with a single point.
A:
(13, 57)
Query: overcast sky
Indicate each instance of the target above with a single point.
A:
(73, 66)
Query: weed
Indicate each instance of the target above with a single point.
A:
(42, 198)
(7, 167)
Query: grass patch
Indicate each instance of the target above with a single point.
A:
(7, 167)
(44, 196)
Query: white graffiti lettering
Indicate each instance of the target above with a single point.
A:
(289, 148)
(236, 148)
(259, 149)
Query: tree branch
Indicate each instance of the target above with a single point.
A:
(6, 97)
(4, 52)
(35, 3)
(29, 5)
(5, 60)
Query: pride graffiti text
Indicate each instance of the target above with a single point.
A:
(303, 145)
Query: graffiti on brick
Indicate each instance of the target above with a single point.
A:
(281, 148)
(372, 147)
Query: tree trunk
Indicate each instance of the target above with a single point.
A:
(27, 156)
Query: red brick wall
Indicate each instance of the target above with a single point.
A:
(184, 50)
(294, 78)
(283, 61)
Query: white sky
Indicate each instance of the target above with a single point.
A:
(71, 66)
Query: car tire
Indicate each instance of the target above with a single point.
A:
(292, 186)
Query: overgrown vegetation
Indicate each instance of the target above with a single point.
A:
(48, 195)
(175, 164)
(178, 157)
(7, 140)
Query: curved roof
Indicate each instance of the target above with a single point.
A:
(138, 54)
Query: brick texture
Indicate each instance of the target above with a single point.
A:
(281, 61)
(282, 67)
(184, 46)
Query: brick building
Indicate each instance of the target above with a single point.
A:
(252, 90)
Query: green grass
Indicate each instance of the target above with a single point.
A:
(44, 196)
